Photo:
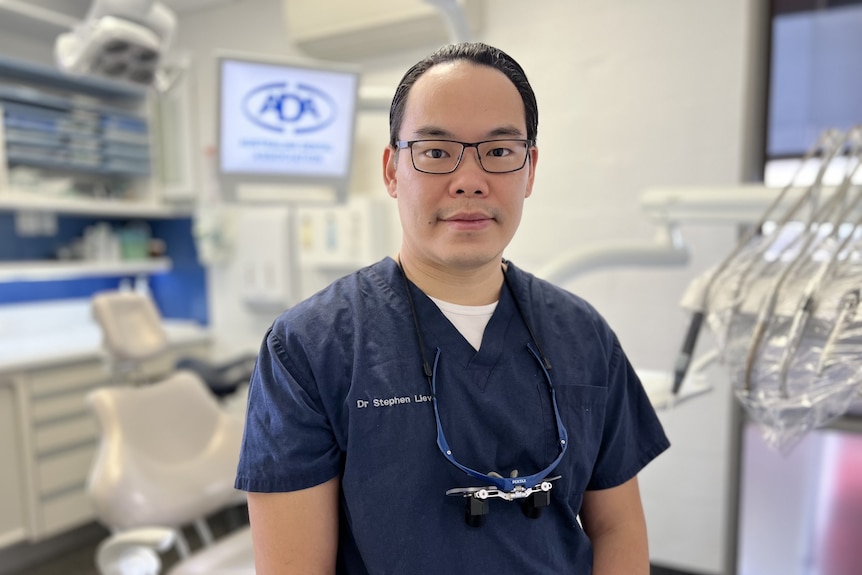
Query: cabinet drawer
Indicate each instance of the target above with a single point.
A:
(60, 406)
(64, 470)
(13, 512)
(67, 433)
(71, 377)
(65, 512)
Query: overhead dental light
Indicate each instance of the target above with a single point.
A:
(121, 39)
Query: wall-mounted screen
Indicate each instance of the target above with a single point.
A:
(814, 81)
(285, 122)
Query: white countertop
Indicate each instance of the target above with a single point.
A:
(33, 336)
(78, 344)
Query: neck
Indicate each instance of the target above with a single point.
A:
(472, 286)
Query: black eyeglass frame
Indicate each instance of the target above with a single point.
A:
(402, 144)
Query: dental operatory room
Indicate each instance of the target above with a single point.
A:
(179, 177)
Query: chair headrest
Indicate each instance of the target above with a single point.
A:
(131, 325)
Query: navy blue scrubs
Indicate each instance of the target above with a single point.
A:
(339, 391)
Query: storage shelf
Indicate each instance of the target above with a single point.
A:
(33, 271)
(141, 170)
(11, 200)
(90, 85)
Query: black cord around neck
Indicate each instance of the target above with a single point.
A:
(545, 361)
(426, 367)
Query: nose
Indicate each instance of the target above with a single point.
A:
(469, 177)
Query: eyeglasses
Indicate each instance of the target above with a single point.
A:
(444, 156)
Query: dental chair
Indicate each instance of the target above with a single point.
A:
(133, 332)
(166, 460)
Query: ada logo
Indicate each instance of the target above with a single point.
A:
(279, 108)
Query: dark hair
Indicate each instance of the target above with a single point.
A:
(477, 53)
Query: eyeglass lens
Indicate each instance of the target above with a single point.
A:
(442, 156)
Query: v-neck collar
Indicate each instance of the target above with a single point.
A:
(439, 332)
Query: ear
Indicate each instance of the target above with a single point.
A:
(390, 168)
(531, 165)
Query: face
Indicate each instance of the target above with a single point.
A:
(465, 219)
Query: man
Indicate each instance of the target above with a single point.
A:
(448, 368)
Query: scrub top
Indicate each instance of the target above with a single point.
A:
(339, 390)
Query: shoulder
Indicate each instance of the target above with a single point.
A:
(556, 307)
(354, 293)
(322, 340)
(331, 316)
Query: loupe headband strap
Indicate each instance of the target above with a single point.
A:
(507, 484)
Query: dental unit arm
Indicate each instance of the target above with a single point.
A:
(667, 249)
(782, 306)
(828, 144)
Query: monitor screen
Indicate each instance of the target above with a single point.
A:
(285, 122)
(814, 81)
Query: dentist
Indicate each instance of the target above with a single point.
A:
(444, 411)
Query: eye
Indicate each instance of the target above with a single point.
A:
(499, 152)
(436, 153)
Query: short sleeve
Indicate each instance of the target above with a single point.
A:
(632, 434)
(288, 443)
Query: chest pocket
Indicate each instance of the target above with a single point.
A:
(582, 409)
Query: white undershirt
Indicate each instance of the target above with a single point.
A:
(469, 320)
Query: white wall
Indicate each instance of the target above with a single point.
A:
(249, 26)
(34, 44)
(632, 94)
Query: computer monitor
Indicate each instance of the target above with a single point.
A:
(814, 80)
(285, 126)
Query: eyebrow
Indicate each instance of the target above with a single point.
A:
(437, 132)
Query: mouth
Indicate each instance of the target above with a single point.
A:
(468, 221)
(468, 217)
